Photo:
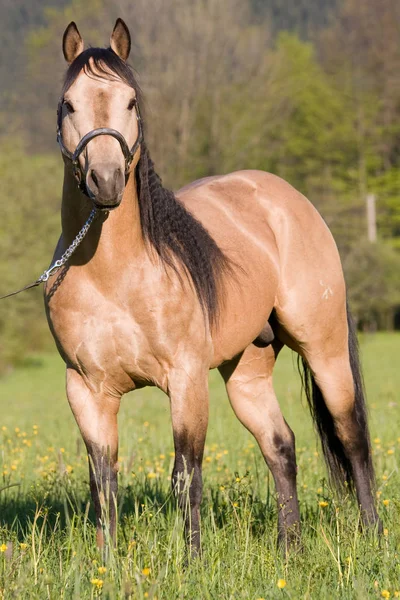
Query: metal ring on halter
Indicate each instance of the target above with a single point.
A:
(128, 153)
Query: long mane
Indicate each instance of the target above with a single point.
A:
(175, 234)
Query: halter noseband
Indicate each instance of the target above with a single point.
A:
(73, 156)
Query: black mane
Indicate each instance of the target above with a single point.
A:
(165, 223)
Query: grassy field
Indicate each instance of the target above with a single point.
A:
(47, 536)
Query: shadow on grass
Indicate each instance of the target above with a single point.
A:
(64, 502)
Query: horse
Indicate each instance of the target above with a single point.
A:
(166, 286)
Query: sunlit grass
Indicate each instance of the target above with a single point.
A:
(47, 538)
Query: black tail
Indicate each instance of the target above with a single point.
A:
(339, 466)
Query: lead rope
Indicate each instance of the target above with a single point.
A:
(61, 261)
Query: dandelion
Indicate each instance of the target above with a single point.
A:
(377, 440)
(97, 582)
(3, 547)
(281, 583)
(102, 570)
(238, 480)
(384, 477)
(208, 459)
(319, 490)
(386, 532)
(17, 430)
(162, 456)
(146, 571)
(235, 504)
(385, 594)
(390, 451)
(146, 424)
(151, 475)
(23, 546)
(4, 428)
(323, 504)
(386, 502)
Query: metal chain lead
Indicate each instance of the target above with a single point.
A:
(70, 250)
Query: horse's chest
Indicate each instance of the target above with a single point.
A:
(104, 341)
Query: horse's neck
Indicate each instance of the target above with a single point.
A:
(111, 238)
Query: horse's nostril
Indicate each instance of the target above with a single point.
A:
(94, 178)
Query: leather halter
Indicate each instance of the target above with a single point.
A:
(74, 156)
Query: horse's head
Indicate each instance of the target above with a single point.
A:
(99, 127)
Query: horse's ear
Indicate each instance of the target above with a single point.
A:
(120, 40)
(72, 43)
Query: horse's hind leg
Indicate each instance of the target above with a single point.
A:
(96, 415)
(249, 386)
(326, 340)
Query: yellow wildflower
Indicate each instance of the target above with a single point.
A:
(146, 571)
(377, 440)
(386, 502)
(281, 584)
(97, 582)
(3, 547)
(146, 424)
(102, 570)
(151, 475)
(323, 504)
(390, 451)
(385, 594)
(386, 532)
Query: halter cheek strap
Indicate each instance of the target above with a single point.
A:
(74, 156)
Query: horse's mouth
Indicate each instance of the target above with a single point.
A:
(106, 207)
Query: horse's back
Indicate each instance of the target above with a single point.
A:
(287, 258)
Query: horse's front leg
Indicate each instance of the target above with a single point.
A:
(188, 392)
(96, 415)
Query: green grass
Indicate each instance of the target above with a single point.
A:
(47, 536)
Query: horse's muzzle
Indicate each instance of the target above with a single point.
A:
(105, 185)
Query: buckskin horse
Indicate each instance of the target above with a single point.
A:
(165, 287)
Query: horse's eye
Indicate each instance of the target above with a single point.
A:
(131, 104)
(69, 107)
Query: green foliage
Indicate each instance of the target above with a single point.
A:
(374, 273)
(29, 229)
(49, 509)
